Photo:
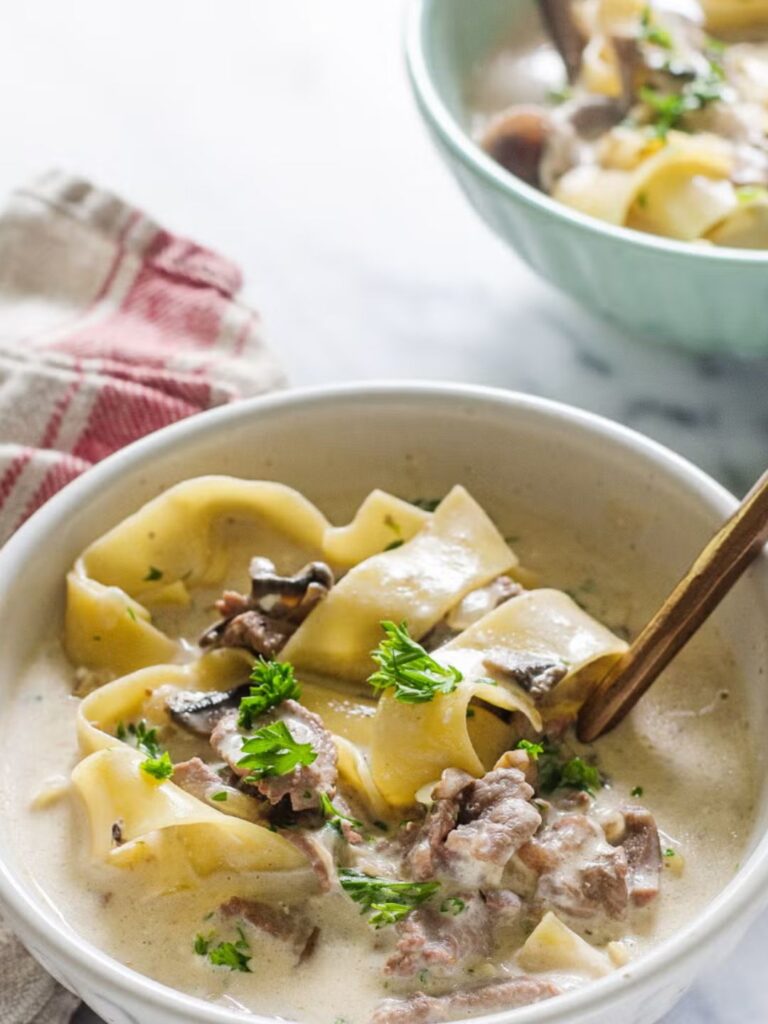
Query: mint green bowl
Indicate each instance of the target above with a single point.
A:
(705, 299)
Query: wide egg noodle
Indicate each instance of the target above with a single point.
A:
(158, 821)
(108, 625)
(458, 550)
(413, 743)
(734, 15)
(679, 190)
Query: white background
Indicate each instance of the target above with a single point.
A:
(281, 132)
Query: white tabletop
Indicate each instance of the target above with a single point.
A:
(284, 135)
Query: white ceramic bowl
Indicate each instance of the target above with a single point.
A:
(606, 483)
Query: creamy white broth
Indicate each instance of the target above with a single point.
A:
(687, 745)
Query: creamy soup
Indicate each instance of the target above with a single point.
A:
(651, 115)
(265, 816)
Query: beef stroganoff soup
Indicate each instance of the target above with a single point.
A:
(650, 115)
(328, 773)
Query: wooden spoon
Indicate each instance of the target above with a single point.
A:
(706, 583)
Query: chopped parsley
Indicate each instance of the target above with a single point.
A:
(220, 797)
(669, 852)
(273, 751)
(668, 109)
(386, 899)
(575, 773)
(453, 905)
(131, 613)
(159, 768)
(139, 736)
(334, 816)
(234, 955)
(637, 791)
(153, 574)
(274, 682)
(652, 33)
(746, 194)
(426, 504)
(533, 750)
(407, 668)
(558, 96)
(394, 544)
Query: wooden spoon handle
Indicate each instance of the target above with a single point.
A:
(709, 579)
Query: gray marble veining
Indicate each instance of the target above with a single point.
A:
(284, 135)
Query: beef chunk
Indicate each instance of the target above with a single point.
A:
(475, 826)
(201, 781)
(444, 938)
(275, 919)
(643, 852)
(264, 620)
(451, 934)
(427, 851)
(579, 873)
(305, 782)
(501, 995)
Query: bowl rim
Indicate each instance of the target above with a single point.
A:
(740, 899)
(435, 111)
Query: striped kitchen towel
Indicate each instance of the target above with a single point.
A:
(110, 327)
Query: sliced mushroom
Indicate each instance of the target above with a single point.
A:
(263, 620)
(516, 139)
(563, 29)
(536, 673)
(200, 713)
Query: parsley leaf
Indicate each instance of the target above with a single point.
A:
(533, 750)
(426, 504)
(453, 905)
(655, 34)
(234, 955)
(153, 574)
(274, 682)
(334, 816)
(160, 768)
(554, 773)
(273, 751)
(406, 667)
(637, 791)
(388, 899)
(394, 544)
(139, 736)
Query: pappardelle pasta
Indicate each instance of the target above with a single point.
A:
(304, 744)
(662, 125)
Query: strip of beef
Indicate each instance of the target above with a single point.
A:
(643, 852)
(275, 919)
(451, 935)
(580, 874)
(475, 827)
(201, 781)
(427, 853)
(305, 782)
(264, 620)
(501, 995)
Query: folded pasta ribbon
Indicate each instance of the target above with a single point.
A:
(413, 743)
(179, 542)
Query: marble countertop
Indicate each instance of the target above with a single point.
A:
(284, 135)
